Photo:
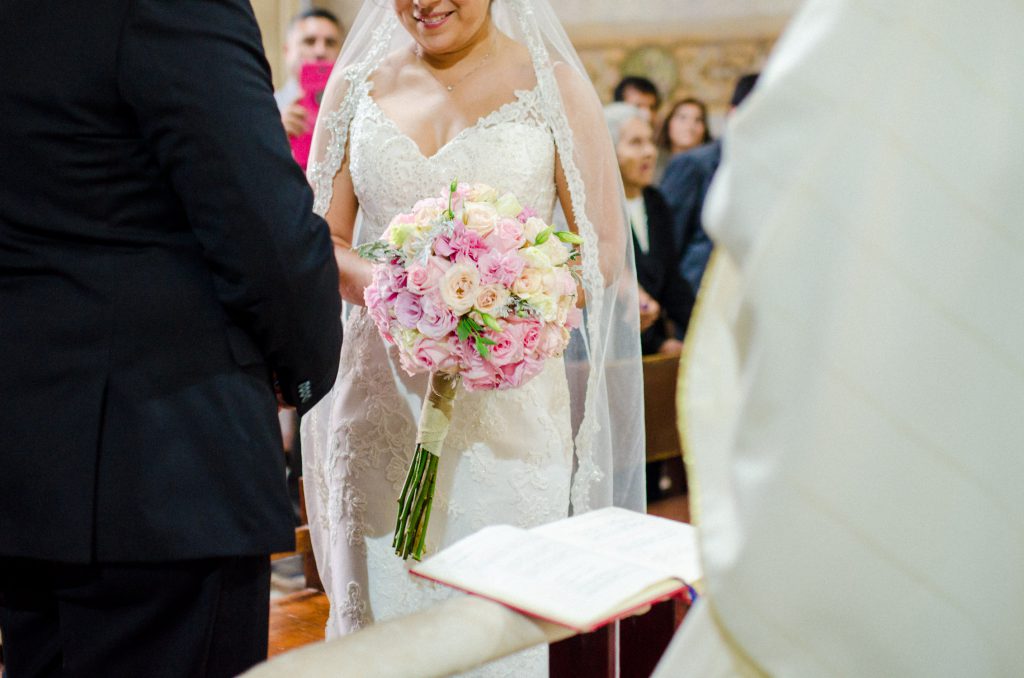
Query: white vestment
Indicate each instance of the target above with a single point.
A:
(854, 396)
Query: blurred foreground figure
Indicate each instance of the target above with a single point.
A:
(854, 395)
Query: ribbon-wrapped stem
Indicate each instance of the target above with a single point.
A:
(417, 496)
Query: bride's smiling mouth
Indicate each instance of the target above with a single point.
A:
(433, 20)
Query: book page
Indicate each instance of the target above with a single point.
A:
(542, 576)
(649, 541)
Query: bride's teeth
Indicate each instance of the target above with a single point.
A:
(433, 21)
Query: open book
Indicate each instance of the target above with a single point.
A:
(581, 572)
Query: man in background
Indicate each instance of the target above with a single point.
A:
(685, 184)
(640, 92)
(161, 275)
(314, 36)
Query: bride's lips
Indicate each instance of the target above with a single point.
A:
(433, 20)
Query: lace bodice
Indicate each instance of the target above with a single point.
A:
(509, 149)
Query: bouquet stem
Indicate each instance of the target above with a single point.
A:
(417, 496)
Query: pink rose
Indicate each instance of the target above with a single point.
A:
(428, 354)
(525, 331)
(477, 373)
(422, 279)
(437, 320)
(408, 309)
(508, 346)
(552, 340)
(453, 362)
(531, 336)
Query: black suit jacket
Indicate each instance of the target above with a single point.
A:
(657, 272)
(158, 263)
(685, 185)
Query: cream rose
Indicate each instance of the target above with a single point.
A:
(483, 193)
(459, 287)
(491, 299)
(529, 283)
(480, 217)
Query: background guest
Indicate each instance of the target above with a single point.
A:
(685, 126)
(640, 92)
(314, 35)
(655, 251)
(684, 186)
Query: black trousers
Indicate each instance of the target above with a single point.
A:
(188, 618)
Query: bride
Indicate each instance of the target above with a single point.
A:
(485, 91)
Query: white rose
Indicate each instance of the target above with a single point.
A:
(459, 287)
(535, 257)
(532, 227)
(407, 338)
(480, 217)
(508, 206)
(557, 251)
(546, 306)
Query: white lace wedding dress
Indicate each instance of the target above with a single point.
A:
(508, 455)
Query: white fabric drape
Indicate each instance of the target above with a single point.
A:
(855, 387)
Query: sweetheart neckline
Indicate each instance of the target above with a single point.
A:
(520, 97)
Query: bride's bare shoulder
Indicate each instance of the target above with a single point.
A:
(388, 75)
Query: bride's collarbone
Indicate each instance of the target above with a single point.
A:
(432, 118)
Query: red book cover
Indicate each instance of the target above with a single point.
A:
(313, 81)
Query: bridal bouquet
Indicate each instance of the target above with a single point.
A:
(470, 286)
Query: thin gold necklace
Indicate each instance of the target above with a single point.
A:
(451, 87)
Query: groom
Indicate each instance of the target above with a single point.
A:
(160, 270)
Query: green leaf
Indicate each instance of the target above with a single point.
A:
(490, 321)
(463, 329)
(544, 235)
(473, 324)
(569, 237)
(487, 342)
(481, 347)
